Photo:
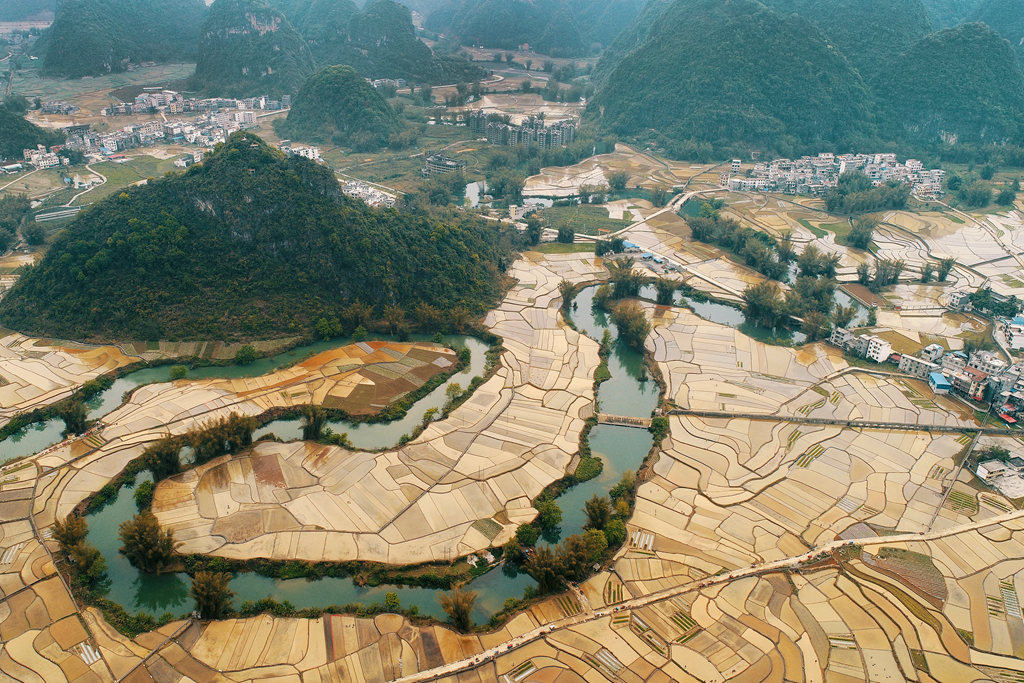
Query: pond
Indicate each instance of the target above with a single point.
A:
(475, 192)
(733, 316)
(621, 448)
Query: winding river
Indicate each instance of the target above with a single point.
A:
(628, 392)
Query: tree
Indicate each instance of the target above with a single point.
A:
(666, 288)
(314, 418)
(659, 195)
(211, 594)
(597, 544)
(566, 235)
(88, 562)
(34, 234)
(599, 512)
(632, 324)
(70, 531)
(75, 416)
(527, 535)
(862, 232)
(147, 547)
(864, 274)
(844, 314)
(763, 304)
(545, 568)
(816, 325)
(954, 182)
(945, 268)
(220, 437)
(452, 393)
(617, 180)
(534, 230)
(427, 317)
(927, 272)
(574, 557)
(550, 514)
(458, 605)
(976, 195)
(987, 172)
(567, 290)
(1006, 197)
(615, 533)
(246, 355)
(161, 458)
(144, 495)
(178, 372)
(394, 317)
(625, 280)
(391, 601)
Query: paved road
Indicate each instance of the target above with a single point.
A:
(854, 424)
(103, 180)
(658, 596)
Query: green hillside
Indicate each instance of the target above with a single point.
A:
(248, 47)
(1005, 17)
(17, 134)
(629, 38)
(379, 41)
(734, 71)
(337, 105)
(962, 83)
(561, 28)
(870, 33)
(92, 37)
(248, 244)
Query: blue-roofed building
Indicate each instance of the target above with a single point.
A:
(939, 384)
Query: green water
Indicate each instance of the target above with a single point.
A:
(732, 316)
(373, 435)
(620, 448)
(37, 437)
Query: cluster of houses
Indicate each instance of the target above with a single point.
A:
(368, 194)
(1007, 476)
(61, 108)
(814, 175)
(304, 151)
(41, 157)
(156, 100)
(205, 131)
(533, 131)
(979, 376)
(395, 83)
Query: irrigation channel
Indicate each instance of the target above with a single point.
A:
(629, 392)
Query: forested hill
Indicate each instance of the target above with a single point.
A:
(91, 37)
(248, 244)
(735, 71)
(630, 38)
(1005, 17)
(963, 83)
(338, 106)
(17, 134)
(379, 41)
(870, 33)
(561, 28)
(248, 47)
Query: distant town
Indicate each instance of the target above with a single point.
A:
(814, 175)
